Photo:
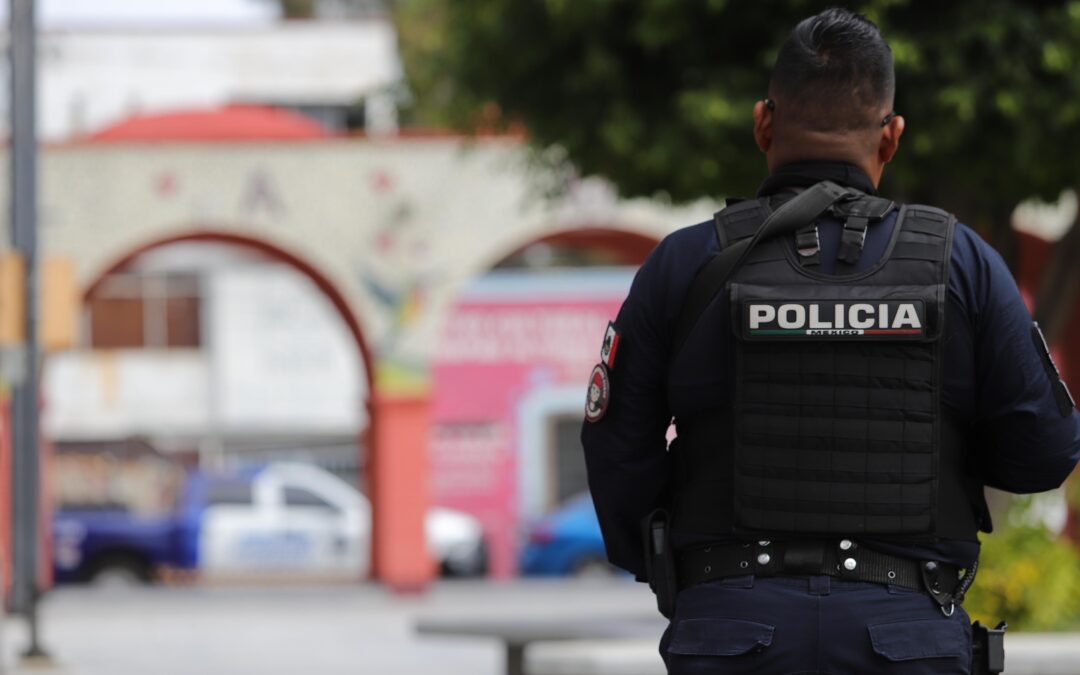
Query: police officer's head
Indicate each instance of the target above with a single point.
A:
(831, 96)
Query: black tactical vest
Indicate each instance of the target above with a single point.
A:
(837, 426)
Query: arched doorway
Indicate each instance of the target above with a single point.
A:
(520, 343)
(265, 249)
(226, 352)
(584, 247)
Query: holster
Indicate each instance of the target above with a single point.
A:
(660, 561)
(987, 649)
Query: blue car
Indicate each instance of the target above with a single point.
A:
(567, 542)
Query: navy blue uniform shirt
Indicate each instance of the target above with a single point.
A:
(994, 376)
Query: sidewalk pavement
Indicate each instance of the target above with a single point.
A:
(336, 630)
(362, 629)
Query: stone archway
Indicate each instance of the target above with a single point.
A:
(387, 565)
(308, 269)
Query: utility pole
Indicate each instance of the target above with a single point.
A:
(25, 466)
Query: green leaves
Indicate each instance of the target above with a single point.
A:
(656, 95)
(1029, 575)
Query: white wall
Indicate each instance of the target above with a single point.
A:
(108, 395)
(67, 14)
(277, 359)
(283, 360)
(91, 78)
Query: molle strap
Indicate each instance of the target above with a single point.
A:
(922, 232)
(907, 250)
(932, 218)
(873, 208)
(923, 244)
(858, 214)
(926, 221)
(739, 221)
(852, 239)
(808, 245)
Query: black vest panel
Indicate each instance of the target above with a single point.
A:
(837, 427)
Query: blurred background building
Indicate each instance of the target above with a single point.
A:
(265, 262)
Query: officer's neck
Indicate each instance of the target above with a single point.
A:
(813, 146)
(804, 174)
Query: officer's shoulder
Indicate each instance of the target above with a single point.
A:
(969, 249)
(966, 242)
(694, 241)
(671, 266)
(976, 266)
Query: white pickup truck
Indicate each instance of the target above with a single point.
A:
(290, 518)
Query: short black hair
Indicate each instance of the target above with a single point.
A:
(834, 73)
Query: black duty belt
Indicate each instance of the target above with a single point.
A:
(844, 559)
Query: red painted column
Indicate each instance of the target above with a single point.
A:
(399, 492)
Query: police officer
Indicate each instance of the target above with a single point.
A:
(844, 375)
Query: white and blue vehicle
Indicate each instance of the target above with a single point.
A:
(285, 519)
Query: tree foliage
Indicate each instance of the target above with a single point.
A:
(656, 95)
(1028, 575)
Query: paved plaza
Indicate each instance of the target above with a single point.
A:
(361, 629)
(294, 630)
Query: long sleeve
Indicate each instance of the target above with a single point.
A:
(625, 451)
(1029, 441)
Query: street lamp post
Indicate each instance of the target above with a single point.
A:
(25, 470)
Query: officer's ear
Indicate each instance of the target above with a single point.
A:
(890, 139)
(763, 129)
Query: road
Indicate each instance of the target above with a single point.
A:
(294, 630)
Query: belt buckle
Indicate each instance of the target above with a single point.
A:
(804, 557)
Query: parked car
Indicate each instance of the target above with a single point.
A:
(567, 542)
(283, 519)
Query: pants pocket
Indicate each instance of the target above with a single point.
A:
(938, 645)
(710, 645)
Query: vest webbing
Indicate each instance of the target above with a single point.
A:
(832, 436)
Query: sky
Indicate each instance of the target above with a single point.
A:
(121, 13)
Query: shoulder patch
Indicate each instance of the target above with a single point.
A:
(611, 345)
(1065, 402)
(599, 395)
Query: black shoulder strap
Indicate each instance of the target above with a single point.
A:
(740, 220)
(710, 280)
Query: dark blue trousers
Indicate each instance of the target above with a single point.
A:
(813, 625)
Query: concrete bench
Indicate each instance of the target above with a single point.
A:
(518, 633)
(586, 657)
(1025, 654)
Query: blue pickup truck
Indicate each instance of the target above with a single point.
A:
(113, 546)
